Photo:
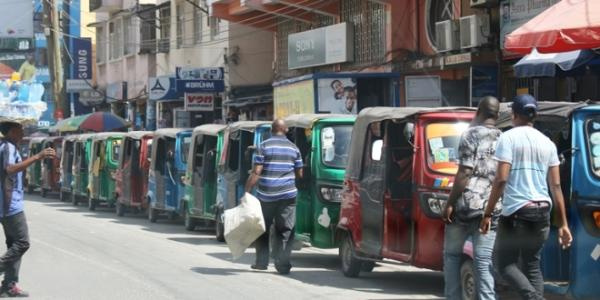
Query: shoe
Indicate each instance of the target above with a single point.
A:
(258, 267)
(13, 291)
(283, 269)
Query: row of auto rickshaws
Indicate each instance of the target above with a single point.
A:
(374, 185)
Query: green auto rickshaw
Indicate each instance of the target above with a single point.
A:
(106, 148)
(82, 148)
(66, 166)
(324, 142)
(201, 175)
(34, 171)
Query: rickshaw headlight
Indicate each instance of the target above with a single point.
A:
(596, 215)
(331, 194)
(433, 204)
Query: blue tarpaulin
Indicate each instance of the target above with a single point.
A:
(538, 64)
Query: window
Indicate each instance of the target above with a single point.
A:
(369, 21)
(335, 145)
(101, 44)
(185, 147)
(180, 24)
(147, 31)
(443, 140)
(593, 137)
(116, 150)
(129, 37)
(165, 29)
(198, 22)
(115, 37)
(215, 24)
(234, 151)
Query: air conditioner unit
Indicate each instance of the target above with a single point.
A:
(483, 3)
(474, 31)
(447, 35)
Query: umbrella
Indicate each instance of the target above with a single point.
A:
(103, 121)
(566, 26)
(545, 64)
(69, 124)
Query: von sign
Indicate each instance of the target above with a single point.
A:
(199, 102)
(82, 56)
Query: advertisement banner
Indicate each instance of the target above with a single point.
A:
(338, 96)
(514, 13)
(321, 46)
(82, 56)
(162, 88)
(199, 102)
(190, 73)
(200, 86)
(295, 98)
(17, 19)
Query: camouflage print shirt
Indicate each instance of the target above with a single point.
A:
(476, 150)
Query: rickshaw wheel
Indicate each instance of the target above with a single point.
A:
(219, 227)
(152, 214)
(367, 266)
(74, 199)
(120, 209)
(188, 221)
(29, 189)
(43, 192)
(467, 280)
(351, 266)
(91, 204)
(61, 196)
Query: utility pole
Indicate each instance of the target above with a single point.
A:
(53, 32)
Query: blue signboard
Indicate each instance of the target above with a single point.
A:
(484, 82)
(82, 58)
(200, 86)
(163, 88)
(191, 73)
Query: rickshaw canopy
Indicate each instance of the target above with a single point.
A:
(547, 111)
(106, 135)
(209, 129)
(308, 120)
(169, 132)
(246, 125)
(138, 135)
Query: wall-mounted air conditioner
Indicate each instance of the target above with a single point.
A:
(447, 35)
(474, 31)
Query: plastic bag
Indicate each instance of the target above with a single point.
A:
(243, 224)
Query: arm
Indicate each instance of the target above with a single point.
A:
(12, 169)
(564, 234)
(299, 173)
(253, 179)
(460, 183)
(498, 186)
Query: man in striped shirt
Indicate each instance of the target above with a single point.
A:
(277, 164)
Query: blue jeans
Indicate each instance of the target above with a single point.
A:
(483, 245)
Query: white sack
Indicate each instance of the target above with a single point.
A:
(243, 224)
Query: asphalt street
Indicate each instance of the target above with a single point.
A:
(78, 254)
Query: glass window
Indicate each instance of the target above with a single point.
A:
(185, 147)
(593, 137)
(335, 145)
(116, 150)
(198, 22)
(443, 140)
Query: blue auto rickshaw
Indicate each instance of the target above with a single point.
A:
(168, 165)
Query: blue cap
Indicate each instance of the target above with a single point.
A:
(524, 105)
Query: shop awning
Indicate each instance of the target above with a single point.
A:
(566, 26)
(538, 64)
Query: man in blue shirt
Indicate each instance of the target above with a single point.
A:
(12, 216)
(527, 165)
(277, 164)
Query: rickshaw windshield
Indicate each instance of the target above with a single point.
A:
(335, 145)
(443, 140)
(116, 150)
(593, 139)
(185, 147)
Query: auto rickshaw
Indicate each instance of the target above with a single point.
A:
(105, 154)
(201, 174)
(234, 165)
(82, 146)
(24, 150)
(168, 164)
(575, 129)
(401, 168)
(51, 166)
(34, 171)
(324, 143)
(66, 166)
(132, 175)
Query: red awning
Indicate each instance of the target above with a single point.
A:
(568, 25)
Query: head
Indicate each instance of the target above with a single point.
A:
(278, 127)
(12, 131)
(524, 109)
(337, 86)
(31, 59)
(506, 9)
(488, 109)
(350, 94)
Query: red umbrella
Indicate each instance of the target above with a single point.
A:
(103, 121)
(566, 26)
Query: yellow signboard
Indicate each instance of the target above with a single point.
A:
(295, 98)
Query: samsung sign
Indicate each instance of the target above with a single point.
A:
(82, 56)
(327, 45)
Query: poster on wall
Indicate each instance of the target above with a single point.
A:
(294, 98)
(338, 95)
(199, 102)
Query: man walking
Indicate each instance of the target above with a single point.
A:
(11, 211)
(277, 164)
(466, 203)
(527, 165)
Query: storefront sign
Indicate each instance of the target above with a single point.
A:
(423, 91)
(484, 82)
(162, 88)
(16, 20)
(294, 98)
(91, 97)
(189, 73)
(78, 85)
(457, 59)
(199, 102)
(82, 56)
(200, 86)
(514, 13)
(338, 96)
(321, 46)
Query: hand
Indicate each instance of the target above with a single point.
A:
(564, 237)
(447, 213)
(485, 225)
(47, 153)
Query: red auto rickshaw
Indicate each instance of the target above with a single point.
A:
(51, 166)
(401, 168)
(132, 176)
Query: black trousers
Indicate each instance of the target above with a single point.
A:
(520, 239)
(283, 213)
(17, 243)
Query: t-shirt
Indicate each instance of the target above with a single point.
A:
(27, 71)
(10, 156)
(280, 158)
(476, 150)
(530, 154)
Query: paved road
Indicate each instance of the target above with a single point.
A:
(77, 254)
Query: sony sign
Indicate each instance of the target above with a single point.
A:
(322, 46)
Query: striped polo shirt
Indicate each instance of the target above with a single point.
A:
(279, 158)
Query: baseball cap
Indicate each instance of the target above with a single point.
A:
(524, 105)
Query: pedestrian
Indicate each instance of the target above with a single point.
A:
(11, 211)
(277, 164)
(528, 167)
(464, 209)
